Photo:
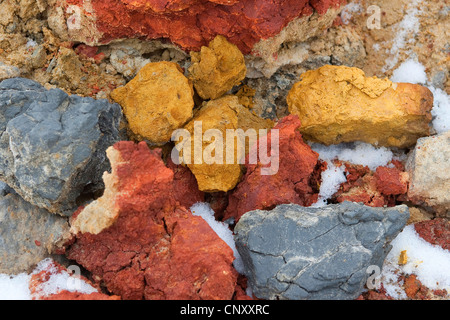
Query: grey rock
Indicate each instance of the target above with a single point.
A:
(52, 145)
(28, 234)
(428, 166)
(294, 252)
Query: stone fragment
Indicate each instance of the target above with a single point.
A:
(188, 24)
(217, 68)
(340, 104)
(215, 168)
(295, 181)
(28, 234)
(157, 101)
(382, 187)
(436, 232)
(140, 244)
(428, 166)
(7, 71)
(293, 252)
(52, 145)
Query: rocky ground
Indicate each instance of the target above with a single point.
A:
(353, 96)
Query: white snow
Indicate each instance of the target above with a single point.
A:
(357, 153)
(222, 229)
(332, 178)
(441, 110)
(430, 263)
(16, 287)
(60, 280)
(412, 71)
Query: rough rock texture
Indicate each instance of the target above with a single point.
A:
(143, 244)
(436, 232)
(217, 68)
(296, 180)
(186, 186)
(292, 45)
(365, 109)
(383, 187)
(28, 234)
(218, 174)
(157, 101)
(428, 166)
(293, 252)
(189, 24)
(52, 145)
(408, 29)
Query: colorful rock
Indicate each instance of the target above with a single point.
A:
(217, 165)
(428, 166)
(186, 23)
(368, 109)
(217, 68)
(296, 180)
(141, 244)
(157, 101)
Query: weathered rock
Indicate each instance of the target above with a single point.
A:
(189, 24)
(28, 234)
(436, 232)
(157, 101)
(52, 145)
(295, 181)
(139, 243)
(340, 104)
(211, 166)
(217, 68)
(293, 252)
(428, 166)
(185, 185)
(382, 187)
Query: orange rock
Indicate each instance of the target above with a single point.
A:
(340, 104)
(217, 68)
(157, 101)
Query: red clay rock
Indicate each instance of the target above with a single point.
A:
(376, 189)
(154, 249)
(391, 181)
(191, 24)
(185, 185)
(436, 232)
(295, 182)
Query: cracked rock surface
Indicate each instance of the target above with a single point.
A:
(294, 252)
(52, 145)
(28, 234)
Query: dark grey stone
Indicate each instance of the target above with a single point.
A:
(52, 145)
(28, 234)
(294, 252)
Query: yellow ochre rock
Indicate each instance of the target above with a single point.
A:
(158, 100)
(340, 104)
(210, 165)
(216, 68)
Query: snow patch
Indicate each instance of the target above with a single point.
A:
(430, 263)
(16, 287)
(412, 71)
